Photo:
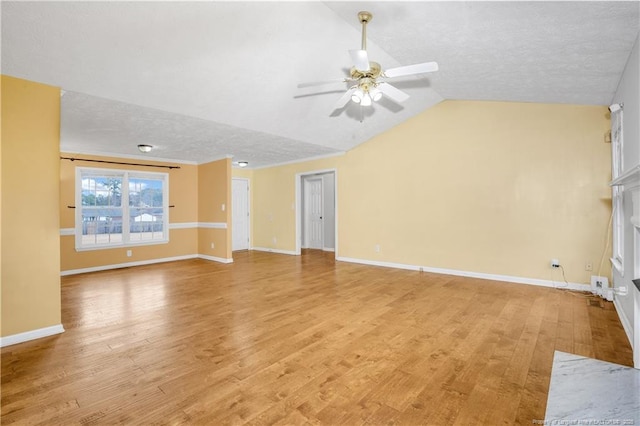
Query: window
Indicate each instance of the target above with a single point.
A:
(616, 191)
(117, 208)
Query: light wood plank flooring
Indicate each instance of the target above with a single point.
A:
(277, 339)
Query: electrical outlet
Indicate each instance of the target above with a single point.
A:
(588, 266)
(621, 291)
(377, 248)
(213, 245)
(599, 285)
(129, 253)
(555, 263)
(275, 240)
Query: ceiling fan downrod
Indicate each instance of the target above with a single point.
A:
(364, 18)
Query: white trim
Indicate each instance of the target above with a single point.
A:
(618, 265)
(481, 275)
(177, 225)
(183, 225)
(630, 177)
(272, 250)
(328, 249)
(298, 206)
(216, 158)
(126, 265)
(31, 335)
(214, 225)
(626, 324)
(302, 160)
(130, 157)
(215, 259)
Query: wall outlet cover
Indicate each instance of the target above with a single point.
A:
(599, 285)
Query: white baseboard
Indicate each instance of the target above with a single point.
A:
(329, 249)
(215, 259)
(127, 265)
(626, 324)
(31, 335)
(272, 250)
(481, 275)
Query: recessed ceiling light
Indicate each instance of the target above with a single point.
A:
(145, 148)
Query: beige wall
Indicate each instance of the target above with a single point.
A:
(197, 192)
(183, 193)
(273, 202)
(214, 206)
(488, 187)
(30, 213)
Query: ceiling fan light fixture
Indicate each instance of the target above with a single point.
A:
(375, 94)
(145, 148)
(366, 100)
(357, 96)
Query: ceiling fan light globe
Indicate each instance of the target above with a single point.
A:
(375, 94)
(357, 96)
(366, 100)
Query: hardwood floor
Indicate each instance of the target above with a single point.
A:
(277, 339)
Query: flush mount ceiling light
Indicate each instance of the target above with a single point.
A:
(145, 148)
(243, 163)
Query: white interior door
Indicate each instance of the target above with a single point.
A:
(313, 212)
(240, 214)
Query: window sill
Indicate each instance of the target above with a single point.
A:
(617, 265)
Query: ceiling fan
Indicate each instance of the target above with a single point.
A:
(368, 78)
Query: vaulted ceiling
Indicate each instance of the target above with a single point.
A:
(204, 80)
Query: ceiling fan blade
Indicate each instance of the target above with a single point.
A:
(396, 95)
(322, 83)
(344, 98)
(411, 69)
(360, 59)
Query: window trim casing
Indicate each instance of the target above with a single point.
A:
(125, 174)
(617, 193)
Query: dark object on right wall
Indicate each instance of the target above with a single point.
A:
(637, 283)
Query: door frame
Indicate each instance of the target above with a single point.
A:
(248, 211)
(299, 210)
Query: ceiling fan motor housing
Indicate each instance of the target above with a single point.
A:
(373, 72)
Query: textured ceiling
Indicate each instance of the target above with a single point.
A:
(202, 80)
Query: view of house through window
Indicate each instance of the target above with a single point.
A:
(118, 207)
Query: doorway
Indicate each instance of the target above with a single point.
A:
(316, 211)
(240, 220)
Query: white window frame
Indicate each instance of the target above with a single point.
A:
(617, 195)
(125, 175)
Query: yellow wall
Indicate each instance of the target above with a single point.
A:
(183, 193)
(489, 187)
(30, 213)
(273, 202)
(214, 206)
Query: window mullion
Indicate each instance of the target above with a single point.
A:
(125, 208)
